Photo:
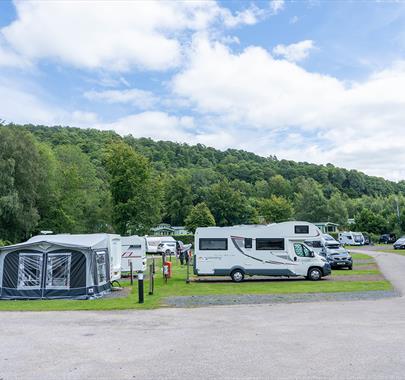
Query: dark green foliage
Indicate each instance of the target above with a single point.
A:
(62, 179)
(367, 221)
(199, 216)
(275, 209)
(135, 190)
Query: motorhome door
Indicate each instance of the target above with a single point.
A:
(303, 257)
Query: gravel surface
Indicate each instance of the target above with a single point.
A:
(296, 340)
(249, 299)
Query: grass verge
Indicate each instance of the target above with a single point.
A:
(177, 287)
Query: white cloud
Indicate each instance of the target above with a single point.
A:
(266, 100)
(139, 98)
(111, 35)
(294, 52)
(276, 6)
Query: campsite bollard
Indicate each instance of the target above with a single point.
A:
(154, 266)
(140, 287)
(131, 272)
(151, 280)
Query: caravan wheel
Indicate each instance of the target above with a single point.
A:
(237, 275)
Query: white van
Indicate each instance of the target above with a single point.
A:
(272, 250)
(351, 238)
(133, 250)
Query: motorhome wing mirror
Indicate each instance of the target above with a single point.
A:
(295, 258)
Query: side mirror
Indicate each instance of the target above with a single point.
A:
(295, 258)
(312, 254)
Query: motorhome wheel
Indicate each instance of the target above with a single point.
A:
(314, 274)
(168, 252)
(237, 275)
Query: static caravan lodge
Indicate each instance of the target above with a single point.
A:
(59, 266)
(272, 250)
(133, 250)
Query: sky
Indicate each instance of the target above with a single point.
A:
(315, 81)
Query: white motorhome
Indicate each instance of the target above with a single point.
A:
(133, 250)
(272, 250)
(351, 238)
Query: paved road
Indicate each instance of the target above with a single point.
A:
(333, 340)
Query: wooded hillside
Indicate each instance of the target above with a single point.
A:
(76, 180)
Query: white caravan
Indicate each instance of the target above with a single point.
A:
(272, 250)
(133, 250)
(351, 238)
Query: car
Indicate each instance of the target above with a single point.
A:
(337, 256)
(387, 238)
(400, 243)
(167, 247)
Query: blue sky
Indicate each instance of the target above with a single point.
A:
(318, 81)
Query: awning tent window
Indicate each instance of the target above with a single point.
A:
(101, 267)
(58, 271)
(30, 271)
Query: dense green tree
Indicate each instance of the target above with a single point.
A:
(337, 210)
(229, 206)
(178, 198)
(310, 203)
(275, 209)
(199, 216)
(19, 183)
(135, 190)
(367, 221)
(83, 198)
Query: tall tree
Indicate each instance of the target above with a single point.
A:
(228, 206)
(310, 203)
(199, 216)
(178, 198)
(135, 190)
(275, 209)
(19, 169)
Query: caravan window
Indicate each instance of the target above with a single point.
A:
(58, 271)
(218, 244)
(301, 229)
(274, 244)
(248, 242)
(30, 271)
(101, 267)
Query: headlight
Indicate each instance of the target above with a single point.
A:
(324, 260)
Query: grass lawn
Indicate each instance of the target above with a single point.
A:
(176, 286)
(345, 272)
(360, 256)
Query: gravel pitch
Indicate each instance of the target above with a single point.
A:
(254, 299)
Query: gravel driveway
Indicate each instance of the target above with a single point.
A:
(314, 340)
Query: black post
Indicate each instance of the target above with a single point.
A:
(154, 266)
(151, 280)
(131, 272)
(140, 287)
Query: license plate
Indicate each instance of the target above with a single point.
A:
(341, 263)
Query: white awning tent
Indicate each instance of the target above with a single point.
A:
(57, 266)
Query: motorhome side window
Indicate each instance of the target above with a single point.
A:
(217, 244)
(248, 242)
(270, 244)
(301, 229)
